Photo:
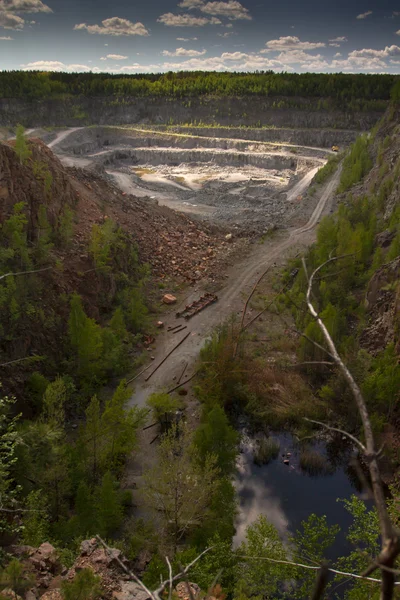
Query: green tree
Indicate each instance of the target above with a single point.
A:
(54, 401)
(120, 425)
(21, 145)
(14, 577)
(260, 577)
(9, 441)
(85, 510)
(86, 339)
(178, 487)
(85, 586)
(109, 508)
(92, 436)
(311, 542)
(215, 436)
(36, 519)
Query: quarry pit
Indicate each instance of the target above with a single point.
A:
(247, 180)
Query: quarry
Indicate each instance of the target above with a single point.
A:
(250, 180)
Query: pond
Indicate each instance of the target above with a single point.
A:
(286, 495)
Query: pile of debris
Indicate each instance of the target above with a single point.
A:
(172, 243)
(44, 573)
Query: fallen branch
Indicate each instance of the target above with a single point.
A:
(183, 372)
(183, 383)
(25, 272)
(168, 355)
(351, 437)
(139, 374)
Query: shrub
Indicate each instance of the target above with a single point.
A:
(85, 586)
(313, 463)
(267, 450)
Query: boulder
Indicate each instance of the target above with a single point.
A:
(130, 591)
(169, 299)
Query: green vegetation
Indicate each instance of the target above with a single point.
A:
(356, 164)
(352, 92)
(327, 170)
(85, 586)
(267, 450)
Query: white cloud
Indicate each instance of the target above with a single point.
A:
(114, 57)
(181, 39)
(10, 21)
(184, 52)
(364, 15)
(232, 9)
(335, 45)
(298, 56)
(172, 20)
(337, 55)
(54, 65)
(114, 26)
(398, 32)
(226, 34)
(373, 53)
(339, 40)
(191, 4)
(24, 6)
(6, 39)
(315, 65)
(357, 64)
(291, 42)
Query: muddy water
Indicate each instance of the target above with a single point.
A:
(287, 496)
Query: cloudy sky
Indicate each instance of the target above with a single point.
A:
(161, 35)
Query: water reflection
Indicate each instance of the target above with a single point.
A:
(287, 496)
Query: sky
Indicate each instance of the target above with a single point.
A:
(127, 36)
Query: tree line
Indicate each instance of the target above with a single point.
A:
(342, 88)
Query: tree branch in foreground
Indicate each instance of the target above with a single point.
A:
(156, 595)
(389, 535)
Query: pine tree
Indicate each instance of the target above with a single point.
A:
(21, 146)
(54, 400)
(85, 586)
(85, 337)
(217, 437)
(85, 510)
(109, 508)
(93, 437)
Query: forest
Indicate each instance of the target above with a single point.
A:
(341, 88)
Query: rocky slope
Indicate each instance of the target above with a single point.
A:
(261, 110)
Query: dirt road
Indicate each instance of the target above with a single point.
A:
(240, 279)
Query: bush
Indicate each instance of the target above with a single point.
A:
(267, 450)
(85, 586)
(313, 463)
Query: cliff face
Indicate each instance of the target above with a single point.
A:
(235, 111)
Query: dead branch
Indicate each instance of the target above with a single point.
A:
(156, 595)
(310, 362)
(337, 430)
(25, 272)
(34, 357)
(245, 309)
(183, 372)
(139, 374)
(389, 535)
(314, 568)
(168, 355)
(183, 383)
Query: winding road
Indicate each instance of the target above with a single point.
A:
(240, 278)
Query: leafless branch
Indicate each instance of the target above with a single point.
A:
(321, 582)
(170, 577)
(389, 535)
(337, 430)
(311, 362)
(18, 360)
(157, 594)
(313, 568)
(25, 272)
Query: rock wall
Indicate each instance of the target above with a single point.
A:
(250, 110)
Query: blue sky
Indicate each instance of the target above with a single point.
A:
(161, 35)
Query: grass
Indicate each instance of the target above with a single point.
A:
(313, 463)
(267, 450)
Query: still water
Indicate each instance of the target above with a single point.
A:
(287, 496)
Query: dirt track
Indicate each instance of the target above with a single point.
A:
(240, 279)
